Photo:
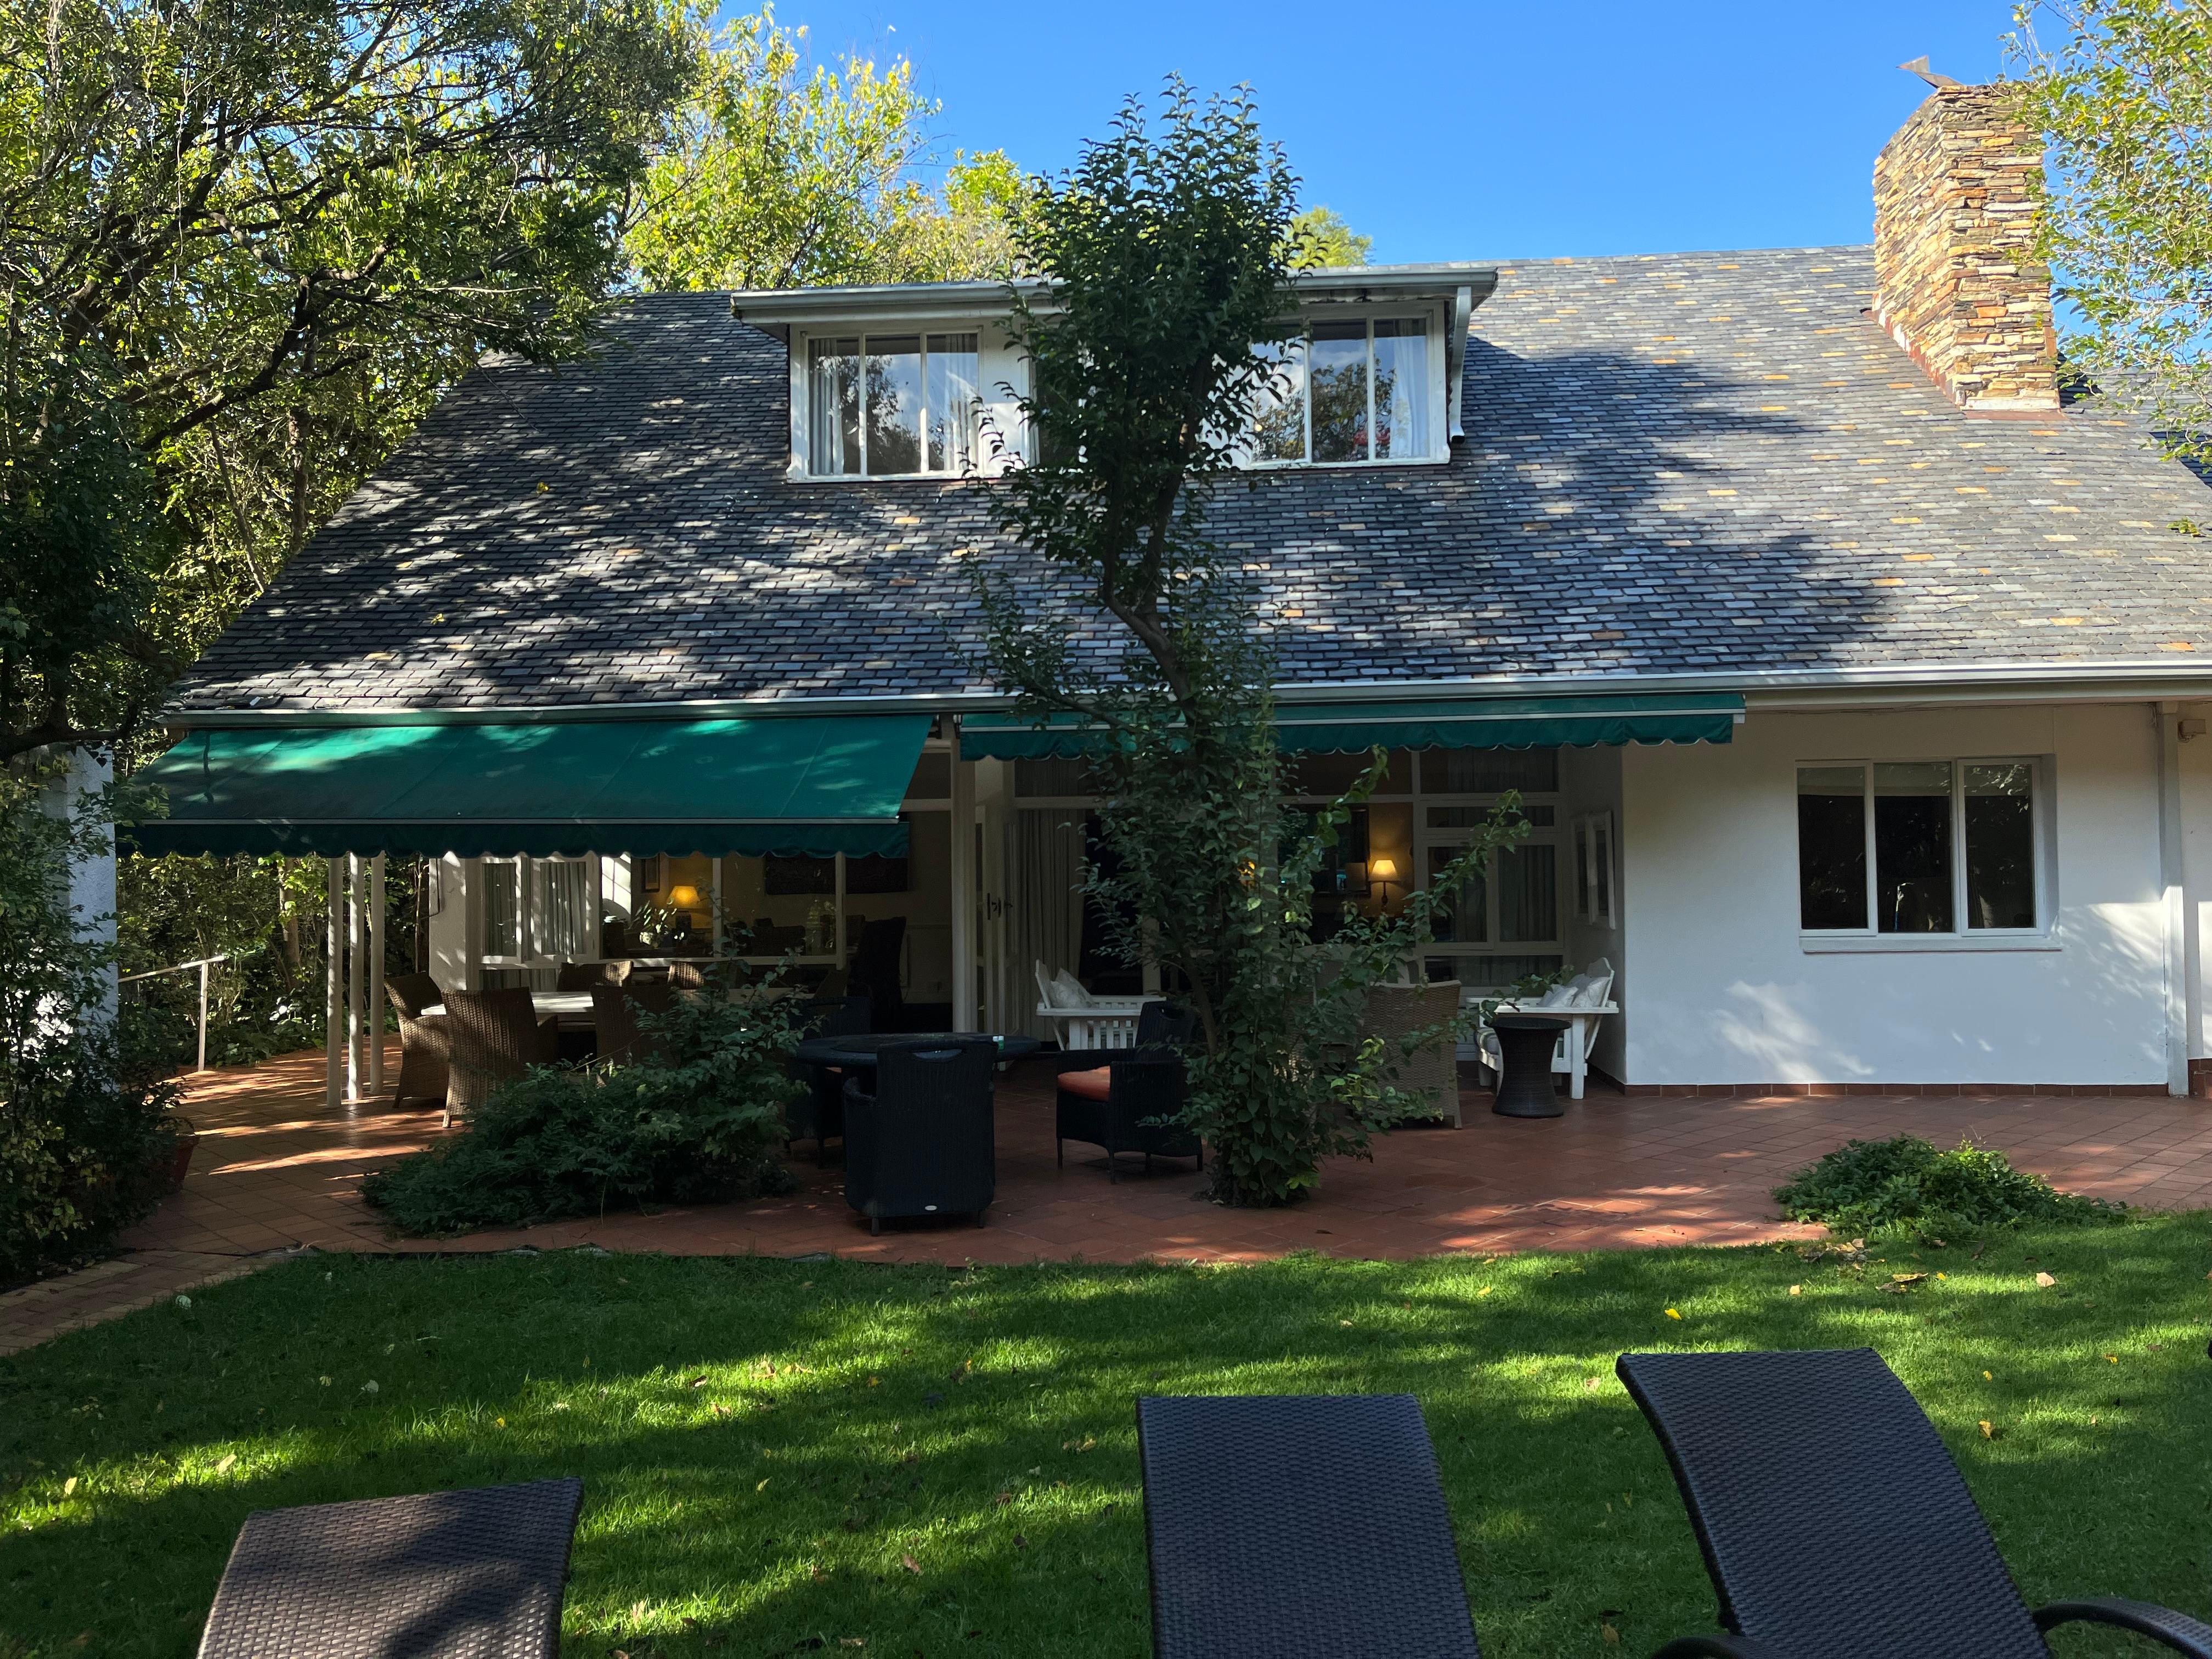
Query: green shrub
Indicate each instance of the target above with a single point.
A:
(701, 1123)
(1868, 1188)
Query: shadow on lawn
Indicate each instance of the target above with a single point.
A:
(767, 1446)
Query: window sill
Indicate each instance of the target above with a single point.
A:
(1382, 462)
(1920, 944)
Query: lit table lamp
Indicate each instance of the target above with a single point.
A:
(684, 897)
(1382, 872)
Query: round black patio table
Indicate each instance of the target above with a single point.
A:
(1525, 1042)
(858, 1053)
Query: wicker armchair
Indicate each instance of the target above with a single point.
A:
(819, 1113)
(426, 1042)
(1110, 1097)
(1760, 1442)
(583, 975)
(497, 1037)
(479, 1573)
(687, 975)
(1431, 1071)
(615, 1009)
(921, 1141)
(1297, 1525)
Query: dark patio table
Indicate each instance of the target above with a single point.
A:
(858, 1053)
(1525, 1042)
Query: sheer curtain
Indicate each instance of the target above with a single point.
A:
(1047, 904)
(1402, 387)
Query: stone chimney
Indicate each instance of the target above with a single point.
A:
(1956, 281)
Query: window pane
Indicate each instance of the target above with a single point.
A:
(1340, 392)
(1401, 386)
(1465, 915)
(1528, 896)
(1490, 771)
(1999, 810)
(1912, 847)
(952, 394)
(1832, 889)
(832, 402)
(502, 910)
(895, 403)
(1278, 412)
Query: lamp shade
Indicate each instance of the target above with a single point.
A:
(1382, 869)
(684, 897)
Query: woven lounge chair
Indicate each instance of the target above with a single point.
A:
(919, 1143)
(1771, 1449)
(497, 1037)
(1298, 1527)
(426, 1042)
(477, 1574)
(1112, 1098)
(1430, 1073)
(818, 1114)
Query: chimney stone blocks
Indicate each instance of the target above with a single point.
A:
(1956, 281)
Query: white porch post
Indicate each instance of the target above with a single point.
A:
(962, 890)
(2165, 717)
(334, 992)
(376, 973)
(355, 920)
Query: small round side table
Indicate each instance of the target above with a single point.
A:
(1525, 1042)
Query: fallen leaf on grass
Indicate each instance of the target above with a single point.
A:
(69, 1486)
(1004, 1498)
(1590, 1383)
(226, 1463)
(1609, 1633)
(763, 1485)
(2046, 1281)
(1796, 1290)
(1485, 1290)
(2112, 1358)
(1988, 1432)
(698, 1382)
(1986, 1377)
(910, 1564)
(1672, 1314)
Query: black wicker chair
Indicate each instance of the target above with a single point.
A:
(920, 1143)
(1763, 1444)
(819, 1115)
(1110, 1097)
(479, 1574)
(1298, 1527)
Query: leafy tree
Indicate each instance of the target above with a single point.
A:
(780, 177)
(1319, 237)
(218, 219)
(2123, 89)
(1169, 255)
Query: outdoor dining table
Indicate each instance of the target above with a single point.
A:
(858, 1052)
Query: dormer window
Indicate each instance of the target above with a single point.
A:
(1353, 390)
(891, 406)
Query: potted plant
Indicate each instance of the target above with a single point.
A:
(174, 1161)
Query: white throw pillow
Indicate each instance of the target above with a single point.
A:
(1068, 992)
(1555, 998)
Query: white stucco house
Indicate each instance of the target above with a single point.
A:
(1856, 680)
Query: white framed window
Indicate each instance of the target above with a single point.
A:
(887, 404)
(1595, 878)
(1504, 922)
(1906, 853)
(1351, 391)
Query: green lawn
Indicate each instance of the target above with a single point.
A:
(767, 1445)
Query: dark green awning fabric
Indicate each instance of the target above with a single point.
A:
(1509, 722)
(1436, 723)
(813, 784)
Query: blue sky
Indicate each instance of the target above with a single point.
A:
(1486, 129)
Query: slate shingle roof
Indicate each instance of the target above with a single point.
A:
(1695, 463)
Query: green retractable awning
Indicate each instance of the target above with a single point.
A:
(811, 785)
(1354, 724)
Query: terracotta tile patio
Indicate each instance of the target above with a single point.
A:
(276, 1172)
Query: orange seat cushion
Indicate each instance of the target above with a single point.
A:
(1091, 1085)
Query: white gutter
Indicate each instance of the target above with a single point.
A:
(1777, 688)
